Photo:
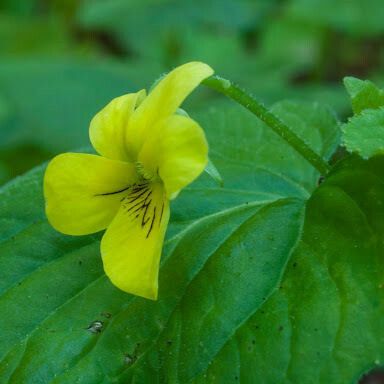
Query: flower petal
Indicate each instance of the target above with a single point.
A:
(164, 100)
(131, 247)
(177, 151)
(108, 127)
(83, 192)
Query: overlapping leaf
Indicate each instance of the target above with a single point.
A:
(364, 94)
(364, 132)
(324, 324)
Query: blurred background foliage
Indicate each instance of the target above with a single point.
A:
(62, 60)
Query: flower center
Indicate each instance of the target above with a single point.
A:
(145, 174)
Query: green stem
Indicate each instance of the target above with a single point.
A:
(237, 94)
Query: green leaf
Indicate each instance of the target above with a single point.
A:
(245, 141)
(47, 260)
(364, 94)
(225, 253)
(364, 134)
(325, 323)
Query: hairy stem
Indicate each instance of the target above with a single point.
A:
(249, 102)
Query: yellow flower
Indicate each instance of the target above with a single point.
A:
(148, 154)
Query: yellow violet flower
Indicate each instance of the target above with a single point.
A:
(148, 154)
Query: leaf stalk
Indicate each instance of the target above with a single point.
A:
(235, 93)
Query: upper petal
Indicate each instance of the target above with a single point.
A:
(83, 192)
(131, 246)
(177, 151)
(108, 127)
(164, 100)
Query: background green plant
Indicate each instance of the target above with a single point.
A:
(61, 61)
(276, 277)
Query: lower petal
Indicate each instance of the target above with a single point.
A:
(131, 247)
(83, 192)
